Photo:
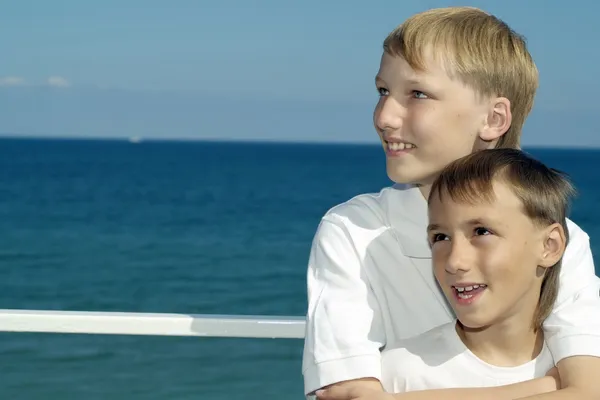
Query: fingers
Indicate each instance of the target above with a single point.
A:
(335, 393)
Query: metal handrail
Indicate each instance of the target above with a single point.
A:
(158, 324)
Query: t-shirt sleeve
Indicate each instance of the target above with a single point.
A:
(344, 328)
(573, 327)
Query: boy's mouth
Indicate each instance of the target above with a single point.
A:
(466, 292)
(399, 145)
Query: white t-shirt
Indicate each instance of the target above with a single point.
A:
(438, 359)
(370, 282)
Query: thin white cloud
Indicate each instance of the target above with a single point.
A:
(12, 81)
(58, 81)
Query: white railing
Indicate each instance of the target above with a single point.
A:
(123, 323)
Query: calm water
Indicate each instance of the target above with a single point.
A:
(220, 228)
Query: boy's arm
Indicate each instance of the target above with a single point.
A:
(344, 328)
(579, 379)
(547, 384)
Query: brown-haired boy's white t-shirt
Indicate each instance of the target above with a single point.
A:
(438, 359)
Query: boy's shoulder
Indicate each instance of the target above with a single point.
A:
(577, 267)
(576, 234)
(396, 215)
(374, 210)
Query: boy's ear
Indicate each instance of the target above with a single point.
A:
(554, 244)
(498, 120)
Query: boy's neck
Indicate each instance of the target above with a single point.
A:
(424, 189)
(508, 344)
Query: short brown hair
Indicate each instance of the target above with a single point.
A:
(545, 193)
(478, 49)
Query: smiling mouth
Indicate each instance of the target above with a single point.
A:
(467, 292)
(399, 146)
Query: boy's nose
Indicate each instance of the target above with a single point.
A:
(460, 258)
(391, 115)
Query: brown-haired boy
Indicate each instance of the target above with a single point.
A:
(497, 230)
(451, 82)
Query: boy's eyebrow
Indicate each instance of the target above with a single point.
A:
(432, 227)
(477, 221)
(410, 81)
(474, 221)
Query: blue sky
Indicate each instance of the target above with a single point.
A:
(276, 70)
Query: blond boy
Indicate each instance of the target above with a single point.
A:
(451, 82)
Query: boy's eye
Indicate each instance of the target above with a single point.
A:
(382, 91)
(418, 94)
(480, 231)
(438, 236)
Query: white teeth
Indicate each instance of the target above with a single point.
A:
(396, 146)
(468, 288)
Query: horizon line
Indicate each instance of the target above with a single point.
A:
(137, 139)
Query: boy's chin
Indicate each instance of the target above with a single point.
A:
(473, 324)
(404, 177)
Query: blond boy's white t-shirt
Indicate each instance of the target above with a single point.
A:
(371, 283)
(438, 359)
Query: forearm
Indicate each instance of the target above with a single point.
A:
(509, 392)
(566, 393)
(362, 383)
(579, 379)
(360, 390)
(348, 390)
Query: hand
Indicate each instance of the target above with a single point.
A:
(351, 392)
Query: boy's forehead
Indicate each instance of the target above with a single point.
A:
(449, 207)
(396, 66)
(465, 216)
(501, 201)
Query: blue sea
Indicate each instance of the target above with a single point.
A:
(178, 227)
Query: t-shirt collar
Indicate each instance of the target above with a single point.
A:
(408, 217)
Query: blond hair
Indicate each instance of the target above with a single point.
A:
(544, 192)
(479, 50)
